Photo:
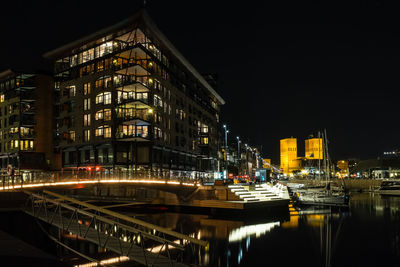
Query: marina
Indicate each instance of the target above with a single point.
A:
(199, 134)
(314, 236)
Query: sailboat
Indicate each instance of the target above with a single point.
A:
(322, 194)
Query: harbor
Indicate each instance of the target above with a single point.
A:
(237, 241)
(199, 134)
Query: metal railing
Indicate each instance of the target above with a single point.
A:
(141, 241)
(93, 175)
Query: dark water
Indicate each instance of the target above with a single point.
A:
(368, 234)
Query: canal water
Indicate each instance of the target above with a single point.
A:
(367, 234)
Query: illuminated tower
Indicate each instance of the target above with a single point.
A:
(289, 161)
(314, 148)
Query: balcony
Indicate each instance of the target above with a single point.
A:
(25, 81)
(27, 120)
(132, 102)
(133, 83)
(138, 67)
(140, 118)
(27, 96)
(28, 108)
(136, 51)
(121, 136)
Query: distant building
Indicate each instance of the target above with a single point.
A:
(266, 164)
(395, 154)
(343, 168)
(376, 168)
(313, 148)
(26, 122)
(288, 155)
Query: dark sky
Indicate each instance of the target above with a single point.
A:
(286, 68)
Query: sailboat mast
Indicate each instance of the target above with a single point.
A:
(319, 158)
(324, 153)
(327, 156)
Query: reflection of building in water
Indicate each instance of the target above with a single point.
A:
(220, 229)
(249, 230)
(104, 262)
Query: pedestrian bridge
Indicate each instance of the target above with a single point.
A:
(71, 182)
(142, 242)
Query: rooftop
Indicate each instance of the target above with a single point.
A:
(140, 17)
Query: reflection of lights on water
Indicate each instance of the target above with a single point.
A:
(104, 262)
(240, 255)
(163, 247)
(248, 230)
(247, 243)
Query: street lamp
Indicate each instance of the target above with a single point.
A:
(238, 153)
(247, 160)
(226, 151)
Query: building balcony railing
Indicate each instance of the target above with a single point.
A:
(28, 135)
(133, 67)
(27, 122)
(131, 137)
(135, 118)
(138, 101)
(133, 83)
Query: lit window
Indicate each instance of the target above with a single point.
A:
(105, 49)
(107, 114)
(104, 98)
(1, 98)
(99, 115)
(157, 133)
(99, 131)
(72, 135)
(107, 132)
(86, 120)
(99, 98)
(86, 88)
(72, 90)
(107, 98)
(86, 104)
(86, 135)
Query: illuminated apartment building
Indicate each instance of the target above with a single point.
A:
(288, 155)
(26, 121)
(314, 148)
(128, 100)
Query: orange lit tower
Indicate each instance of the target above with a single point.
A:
(314, 149)
(289, 161)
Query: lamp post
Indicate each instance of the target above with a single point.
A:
(247, 160)
(238, 153)
(226, 151)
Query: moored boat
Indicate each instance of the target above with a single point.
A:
(390, 187)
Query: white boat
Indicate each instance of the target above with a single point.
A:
(391, 187)
(324, 193)
(321, 197)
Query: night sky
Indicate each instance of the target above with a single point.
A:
(285, 69)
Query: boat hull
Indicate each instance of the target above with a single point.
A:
(389, 192)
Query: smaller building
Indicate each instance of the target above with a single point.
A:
(288, 155)
(26, 122)
(343, 168)
(314, 149)
(376, 168)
